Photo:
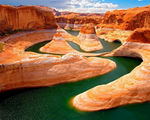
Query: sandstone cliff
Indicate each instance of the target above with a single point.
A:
(131, 88)
(129, 19)
(74, 21)
(25, 18)
(88, 39)
(17, 66)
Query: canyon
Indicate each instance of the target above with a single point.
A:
(17, 66)
(61, 63)
(131, 88)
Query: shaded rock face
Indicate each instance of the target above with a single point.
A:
(25, 18)
(129, 19)
(131, 88)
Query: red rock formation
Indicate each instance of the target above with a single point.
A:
(88, 39)
(20, 69)
(140, 35)
(74, 21)
(129, 19)
(131, 88)
(112, 35)
(25, 18)
(59, 45)
(55, 12)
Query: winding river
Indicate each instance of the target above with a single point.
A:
(52, 103)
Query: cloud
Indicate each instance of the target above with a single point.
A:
(84, 6)
(89, 6)
(140, 0)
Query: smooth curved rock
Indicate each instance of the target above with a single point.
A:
(59, 45)
(17, 66)
(131, 88)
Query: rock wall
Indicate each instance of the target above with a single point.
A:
(129, 19)
(88, 39)
(17, 66)
(74, 21)
(131, 88)
(25, 18)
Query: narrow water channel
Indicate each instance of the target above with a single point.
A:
(52, 103)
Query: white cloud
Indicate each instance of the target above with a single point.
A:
(140, 0)
(89, 6)
(86, 6)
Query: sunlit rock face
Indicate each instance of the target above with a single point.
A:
(20, 69)
(25, 18)
(59, 44)
(112, 35)
(129, 19)
(88, 39)
(131, 88)
(74, 21)
(119, 24)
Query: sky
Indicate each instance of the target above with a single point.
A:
(84, 6)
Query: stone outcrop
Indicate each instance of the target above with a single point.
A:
(25, 18)
(74, 21)
(131, 88)
(59, 44)
(112, 35)
(129, 19)
(88, 39)
(119, 24)
(55, 12)
(17, 66)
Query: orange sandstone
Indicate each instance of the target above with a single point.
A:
(131, 88)
(25, 18)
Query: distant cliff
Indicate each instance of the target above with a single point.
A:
(74, 21)
(25, 18)
(129, 19)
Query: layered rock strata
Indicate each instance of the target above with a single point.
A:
(74, 21)
(17, 66)
(129, 19)
(25, 18)
(131, 88)
(112, 35)
(119, 24)
(88, 39)
(59, 44)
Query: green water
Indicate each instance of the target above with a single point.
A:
(52, 103)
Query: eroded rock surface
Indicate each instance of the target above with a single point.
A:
(74, 21)
(88, 39)
(25, 18)
(17, 66)
(112, 35)
(131, 88)
(129, 19)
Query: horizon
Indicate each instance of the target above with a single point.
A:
(81, 6)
